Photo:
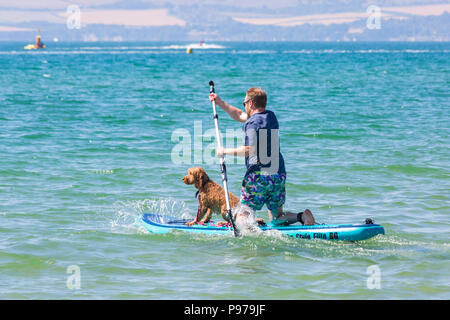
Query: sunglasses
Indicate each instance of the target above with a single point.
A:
(245, 102)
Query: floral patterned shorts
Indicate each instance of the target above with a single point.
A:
(261, 189)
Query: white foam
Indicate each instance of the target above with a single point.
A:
(194, 46)
(245, 220)
(128, 213)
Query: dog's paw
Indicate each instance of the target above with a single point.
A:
(190, 223)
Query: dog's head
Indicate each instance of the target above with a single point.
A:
(196, 176)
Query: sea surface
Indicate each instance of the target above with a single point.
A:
(93, 135)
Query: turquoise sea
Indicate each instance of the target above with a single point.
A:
(87, 139)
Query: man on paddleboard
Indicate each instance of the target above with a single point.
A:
(39, 44)
(265, 179)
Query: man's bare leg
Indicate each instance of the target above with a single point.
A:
(292, 217)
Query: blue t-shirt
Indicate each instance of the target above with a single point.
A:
(262, 132)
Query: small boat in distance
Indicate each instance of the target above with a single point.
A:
(38, 45)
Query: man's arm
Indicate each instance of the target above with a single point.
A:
(233, 112)
(242, 151)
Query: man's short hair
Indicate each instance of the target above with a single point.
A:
(258, 96)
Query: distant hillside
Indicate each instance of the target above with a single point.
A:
(230, 20)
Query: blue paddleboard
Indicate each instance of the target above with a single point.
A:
(351, 232)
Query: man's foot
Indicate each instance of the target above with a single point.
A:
(260, 222)
(306, 218)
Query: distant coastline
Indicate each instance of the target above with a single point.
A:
(415, 22)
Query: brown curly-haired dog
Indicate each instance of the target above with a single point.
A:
(212, 196)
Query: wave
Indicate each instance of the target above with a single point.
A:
(180, 48)
(166, 47)
(128, 213)
(194, 46)
(366, 51)
(56, 52)
(140, 47)
(174, 48)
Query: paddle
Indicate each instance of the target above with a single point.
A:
(223, 168)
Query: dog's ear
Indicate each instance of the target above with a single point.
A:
(202, 178)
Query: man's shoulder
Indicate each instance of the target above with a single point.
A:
(271, 119)
(270, 113)
(254, 122)
(261, 120)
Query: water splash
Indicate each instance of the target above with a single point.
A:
(128, 213)
(245, 220)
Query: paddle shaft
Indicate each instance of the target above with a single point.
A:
(223, 167)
